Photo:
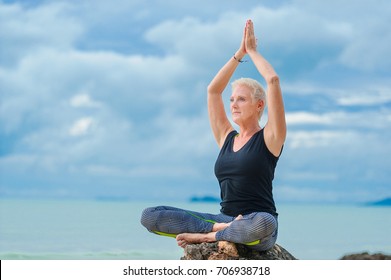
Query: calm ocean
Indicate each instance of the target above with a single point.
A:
(67, 230)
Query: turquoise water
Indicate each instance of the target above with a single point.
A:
(34, 229)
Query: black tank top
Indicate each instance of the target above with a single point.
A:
(246, 176)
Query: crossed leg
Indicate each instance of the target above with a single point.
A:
(258, 229)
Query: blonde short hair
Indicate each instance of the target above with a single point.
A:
(257, 91)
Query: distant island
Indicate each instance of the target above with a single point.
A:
(112, 198)
(204, 199)
(383, 202)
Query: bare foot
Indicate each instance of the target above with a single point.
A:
(184, 239)
(221, 226)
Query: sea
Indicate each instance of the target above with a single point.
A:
(111, 230)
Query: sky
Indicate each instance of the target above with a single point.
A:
(108, 98)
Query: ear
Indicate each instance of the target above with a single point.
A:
(261, 104)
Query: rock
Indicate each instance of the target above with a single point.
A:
(224, 250)
(366, 256)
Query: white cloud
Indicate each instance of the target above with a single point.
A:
(340, 120)
(297, 118)
(84, 100)
(313, 139)
(369, 97)
(357, 94)
(81, 126)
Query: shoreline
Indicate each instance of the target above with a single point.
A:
(136, 255)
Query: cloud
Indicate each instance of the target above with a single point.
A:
(313, 139)
(359, 25)
(368, 97)
(306, 33)
(26, 30)
(79, 108)
(312, 42)
(81, 126)
(323, 195)
(84, 100)
(308, 118)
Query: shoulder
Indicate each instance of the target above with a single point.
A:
(230, 135)
(228, 138)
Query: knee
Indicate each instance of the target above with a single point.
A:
(148, 217)
(270, 225)
(263, 226)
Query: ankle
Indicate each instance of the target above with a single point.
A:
(210, 237)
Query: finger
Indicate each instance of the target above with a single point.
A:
(245, 32)
(239, 217)
(250, 27)
(182, 243)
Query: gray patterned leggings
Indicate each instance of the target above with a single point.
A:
(258, 229)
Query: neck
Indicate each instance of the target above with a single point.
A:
(248, 131)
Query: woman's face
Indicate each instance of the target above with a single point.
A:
(243, 108)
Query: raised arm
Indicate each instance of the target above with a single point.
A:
(275, 129)
(218, 118)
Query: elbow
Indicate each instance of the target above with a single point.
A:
(283, 135)
(282, 130)
(273, 79)
(211, 89)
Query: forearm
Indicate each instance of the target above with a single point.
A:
(263, 66)
(222, 78)
(276, 111)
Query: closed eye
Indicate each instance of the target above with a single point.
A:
(240, 98)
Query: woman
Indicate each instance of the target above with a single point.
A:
(246, 163)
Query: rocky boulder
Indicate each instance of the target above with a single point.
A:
(366, 256)
(224, 250)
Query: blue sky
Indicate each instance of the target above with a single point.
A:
(108, 98)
